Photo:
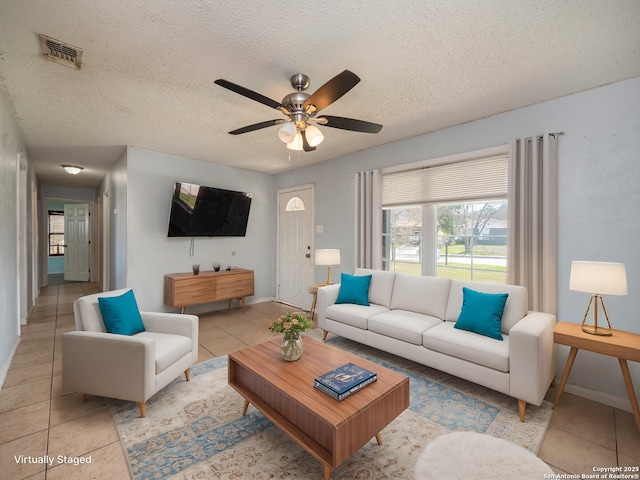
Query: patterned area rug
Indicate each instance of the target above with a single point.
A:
(195, 430)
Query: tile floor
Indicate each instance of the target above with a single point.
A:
(38, 418)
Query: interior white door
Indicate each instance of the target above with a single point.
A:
(295, 236)
(76, 240)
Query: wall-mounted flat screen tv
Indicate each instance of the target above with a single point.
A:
(198, 211)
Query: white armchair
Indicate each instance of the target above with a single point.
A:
(134, 367)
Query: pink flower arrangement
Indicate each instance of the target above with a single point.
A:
(291, 325)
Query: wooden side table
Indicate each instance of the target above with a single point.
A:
(313, 290)
(622, 345)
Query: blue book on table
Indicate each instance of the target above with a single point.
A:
(344, 378)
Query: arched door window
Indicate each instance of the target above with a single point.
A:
(295, 204)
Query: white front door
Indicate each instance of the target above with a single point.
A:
(295, 248)
(76, 240)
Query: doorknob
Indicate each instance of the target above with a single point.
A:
(308, 255)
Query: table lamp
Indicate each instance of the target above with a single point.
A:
(329, 257)
(598, 278)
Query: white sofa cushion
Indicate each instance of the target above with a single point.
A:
(421, 294)
(381, 285)
(169, 348)
(515, 309)
(403, 325)
(354, 315)
(468, 346)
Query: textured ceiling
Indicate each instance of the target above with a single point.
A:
(149, 65)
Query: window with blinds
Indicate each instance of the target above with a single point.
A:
(56, 233)
(470, 180)
(447, 219)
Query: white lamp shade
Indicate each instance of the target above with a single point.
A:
(598, 278)
(314, 135)
(328, 256)
(287, 132)
(296, 144)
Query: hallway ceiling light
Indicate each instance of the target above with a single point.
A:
(72, 169)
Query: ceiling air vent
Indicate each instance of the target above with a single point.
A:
(61, 52)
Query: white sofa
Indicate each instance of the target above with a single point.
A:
(413, 317)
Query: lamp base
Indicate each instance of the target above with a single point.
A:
(595, 329)
(329, 279)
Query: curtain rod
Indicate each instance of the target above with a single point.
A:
(555, 134)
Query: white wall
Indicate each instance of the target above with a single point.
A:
(599, 198)
(10, 145)
(118, 221)
(151, 254)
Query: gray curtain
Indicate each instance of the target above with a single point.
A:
(368, 219)
(532, 196)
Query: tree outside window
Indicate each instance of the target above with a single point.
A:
(472, 241)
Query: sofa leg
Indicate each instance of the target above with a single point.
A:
(187, 374)
(521, 407)
(143, 409)
(324, 335)
(83, 397)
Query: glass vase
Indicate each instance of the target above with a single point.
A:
(291, 347)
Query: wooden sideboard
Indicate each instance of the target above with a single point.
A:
(182, 290)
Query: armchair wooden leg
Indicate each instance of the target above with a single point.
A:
(522, 405)
(324, 335)
(83, 397)
(143, 409)
(187, 374)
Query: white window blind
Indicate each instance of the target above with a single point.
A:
(469, 180)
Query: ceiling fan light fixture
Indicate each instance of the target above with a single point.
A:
(314, 136)
(296, 144)
(72, 169)
(288, 132)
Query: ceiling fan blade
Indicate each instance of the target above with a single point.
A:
(257, 126)
(331, 91)
(305, 145)
(248, 93)
(349, 124)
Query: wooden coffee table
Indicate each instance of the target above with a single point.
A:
(329, 430)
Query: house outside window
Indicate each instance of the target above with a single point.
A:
(56, 233)
(453, 224)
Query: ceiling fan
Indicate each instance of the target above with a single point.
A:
(299, 131)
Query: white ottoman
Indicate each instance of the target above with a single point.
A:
(470, 455)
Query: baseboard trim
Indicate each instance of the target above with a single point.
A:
(605, 398)
(261, 300)
(5, 368)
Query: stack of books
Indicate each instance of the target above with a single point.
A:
(344, 381)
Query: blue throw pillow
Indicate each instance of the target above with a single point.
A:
(121, 314)
(354, 289)
(482, 313)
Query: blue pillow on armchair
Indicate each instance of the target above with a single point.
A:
(354, 289)
(121, 314)
(482, 313)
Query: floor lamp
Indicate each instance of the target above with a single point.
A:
(598, 278)
(329, 257)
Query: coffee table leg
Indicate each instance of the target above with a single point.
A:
(378, 439)
(246, 406)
